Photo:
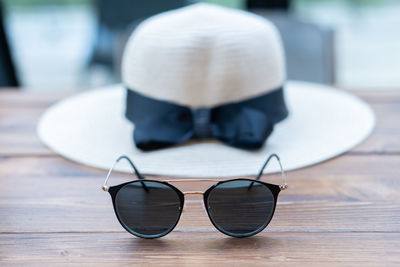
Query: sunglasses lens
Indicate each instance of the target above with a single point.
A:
(240, 207)
(147, 208)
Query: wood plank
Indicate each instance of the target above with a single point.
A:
(80, 215)
(18, 131)
(23, 99)
(377, 96)
(349, 193)
(348, 170)
(203, 249)
(31, 98)
(19, 113)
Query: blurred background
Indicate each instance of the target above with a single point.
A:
(70, 45)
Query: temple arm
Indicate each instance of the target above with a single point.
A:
(284, 185)
(138, 174)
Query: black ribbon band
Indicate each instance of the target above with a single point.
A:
(245, 124)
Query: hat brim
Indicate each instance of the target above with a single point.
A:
(90, 128)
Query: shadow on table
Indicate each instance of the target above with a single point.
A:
(227, 243)
(199, 242)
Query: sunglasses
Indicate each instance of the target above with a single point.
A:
(151, 209)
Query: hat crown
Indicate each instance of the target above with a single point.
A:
(204, 55)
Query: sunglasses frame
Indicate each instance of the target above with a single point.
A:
(113, 191)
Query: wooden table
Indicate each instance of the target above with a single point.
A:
(345, 211)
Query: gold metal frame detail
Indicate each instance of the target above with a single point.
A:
(105, 187)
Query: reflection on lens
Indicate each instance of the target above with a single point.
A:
(239, 208)
(149, 210)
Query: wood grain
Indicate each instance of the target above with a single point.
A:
(200, 249)
(345, 211)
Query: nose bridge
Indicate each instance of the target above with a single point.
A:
(193, 193)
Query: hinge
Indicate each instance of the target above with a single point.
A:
(283, 187)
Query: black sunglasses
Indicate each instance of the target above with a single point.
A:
(151, 209)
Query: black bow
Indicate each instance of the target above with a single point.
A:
(245, 124)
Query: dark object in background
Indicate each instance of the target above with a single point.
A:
(309, 48)
(118, 14)
(269, 4)
(7, 71)
(113, 19)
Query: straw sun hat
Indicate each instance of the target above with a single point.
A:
(204, 95)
